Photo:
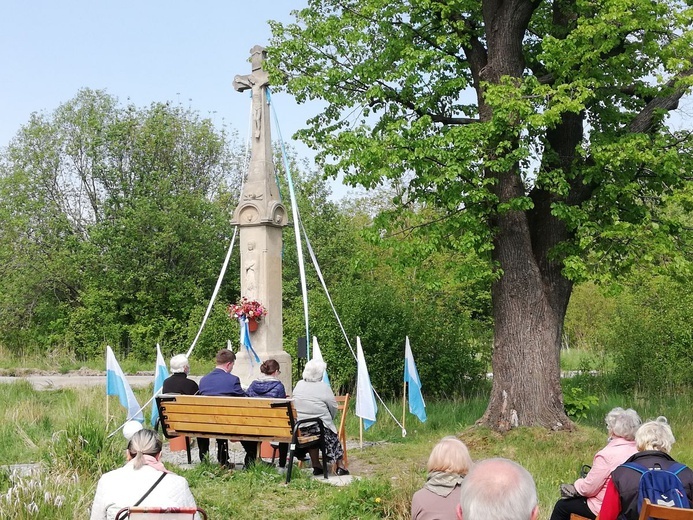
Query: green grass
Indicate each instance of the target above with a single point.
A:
(66, 431)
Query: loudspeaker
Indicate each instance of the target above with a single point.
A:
(302, 350)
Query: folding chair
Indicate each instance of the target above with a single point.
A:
(160, 513)
(343, 406)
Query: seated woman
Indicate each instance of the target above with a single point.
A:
(654, 440)
(268, 385)
(314, 398)
(621, 426)
(143, 481)
(448, 464)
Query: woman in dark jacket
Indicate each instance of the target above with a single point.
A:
(268, 384)
(654, 440)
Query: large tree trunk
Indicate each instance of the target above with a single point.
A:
(531, 297)
(528, 315)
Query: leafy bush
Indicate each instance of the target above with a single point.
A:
(577, 404)
(652, 336)
(450, 349)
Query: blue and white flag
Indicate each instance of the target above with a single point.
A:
(417, 406)
(366, 407)
(245, 342)
(116, 384)
(317, 354)
(160, 374)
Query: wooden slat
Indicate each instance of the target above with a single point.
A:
(191, 409)
(211, 400)
(239, 429)
(230, 420)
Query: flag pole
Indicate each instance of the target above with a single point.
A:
(361, 432)
(107, 400)
(404, 402)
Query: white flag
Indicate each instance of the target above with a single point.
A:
(160, 374)
(116, 384)
(317, 355)
(366, 407)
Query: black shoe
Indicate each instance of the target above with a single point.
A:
(317, 471)
(342, 471)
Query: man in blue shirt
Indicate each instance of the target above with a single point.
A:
(221, 381)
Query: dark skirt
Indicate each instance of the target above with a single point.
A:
(333, 447)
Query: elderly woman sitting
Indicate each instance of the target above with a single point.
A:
(621, 426)
(314, 398)
(142, 481)
(654, 440)
(447, 466)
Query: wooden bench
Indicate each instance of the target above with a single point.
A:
(238, 419)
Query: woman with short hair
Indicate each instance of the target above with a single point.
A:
(143, 481)
(448, 464)
(589, 491)
(654, 440)
(314, 398)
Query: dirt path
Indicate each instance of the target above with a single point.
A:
(52, 381)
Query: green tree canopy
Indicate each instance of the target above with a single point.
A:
(115, 223)
(533, 129)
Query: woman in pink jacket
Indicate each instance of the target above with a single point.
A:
(588, 492)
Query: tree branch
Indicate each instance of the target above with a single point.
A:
(644, 122)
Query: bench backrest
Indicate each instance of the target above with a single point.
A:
(234, 418)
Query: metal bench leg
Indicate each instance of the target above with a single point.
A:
(187, 448)
(292, 448)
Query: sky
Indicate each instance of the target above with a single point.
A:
(141, 52)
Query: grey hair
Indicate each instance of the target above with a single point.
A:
(314, 370)
(655, 435)
(498, 489)
(623, 423)
(143, 442)
(178, 363)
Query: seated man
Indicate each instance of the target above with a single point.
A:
(498, 489)
(221, 381)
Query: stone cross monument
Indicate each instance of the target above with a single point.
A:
(260, 217)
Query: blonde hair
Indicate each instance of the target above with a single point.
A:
(143, 442)
(450, 455)
(655, 435)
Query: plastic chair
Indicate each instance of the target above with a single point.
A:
(160, 513)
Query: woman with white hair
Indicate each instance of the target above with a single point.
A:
(143, 481)
(588, 492)
(314, 398)
(654, 440)
(447, 466)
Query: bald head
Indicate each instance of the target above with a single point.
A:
(498, 489)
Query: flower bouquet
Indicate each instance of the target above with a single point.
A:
(245, 308)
